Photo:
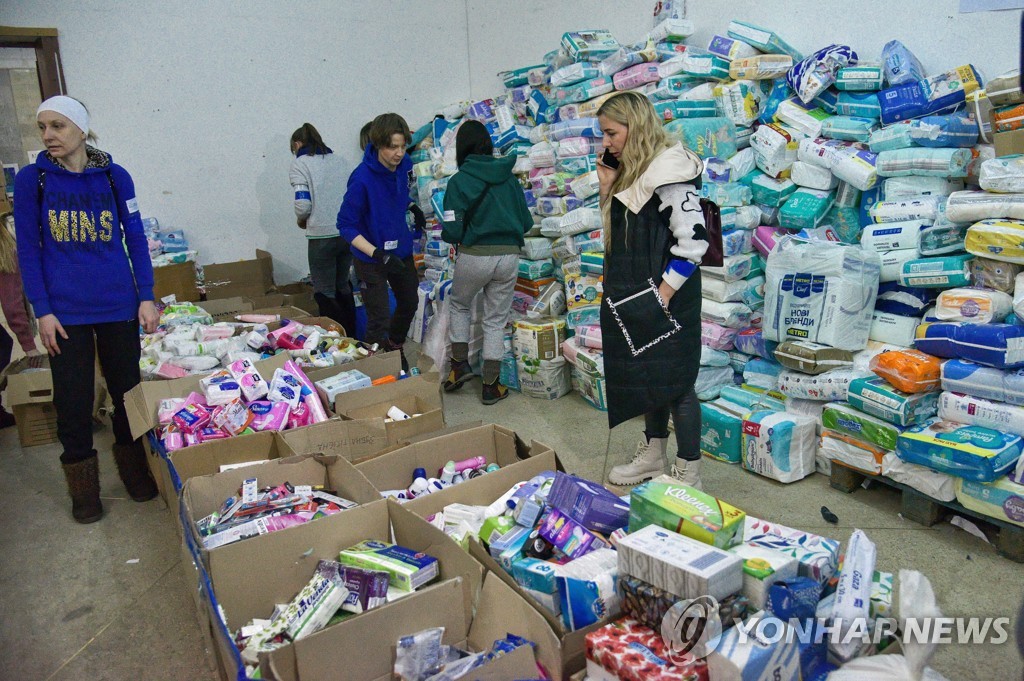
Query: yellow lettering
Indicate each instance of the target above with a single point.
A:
(106, 225)
(59, 226)
(74, 225)
(87, 227)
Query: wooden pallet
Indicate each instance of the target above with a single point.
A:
(925, 510)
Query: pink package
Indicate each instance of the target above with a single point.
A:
(269, 415)
(232, 417)
(210, 434)
(258, 318)
(635, 76)
(310, 397)
(173, 440)
(196, 398)
(716, 337)
(169, 371)
(215, 332)
(191, 439)
(765, 237)
(299, 417)
(191, 418)
(253, 386)
(589, 336)
(166, 410)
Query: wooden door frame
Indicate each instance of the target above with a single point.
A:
(48, 63)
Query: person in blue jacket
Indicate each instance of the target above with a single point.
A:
(372, 219)
(75, 212)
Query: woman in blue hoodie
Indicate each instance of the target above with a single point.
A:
(75, 211)
(372, 219)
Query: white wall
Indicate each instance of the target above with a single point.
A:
(198, 98)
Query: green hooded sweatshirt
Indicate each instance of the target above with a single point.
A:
(497, 225)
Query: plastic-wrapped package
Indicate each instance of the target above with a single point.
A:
(923, 208)
(747, 291)
(993, 274)
(851, 128)
(805, 208)
(761, 38)
(943, 237)
(734, 268)
(848, 161)
(893, 235)
(779, 445)
(966, 451)
(710, 381)
(760, 67)
(977, 306)
(972, 206)
(811, 358)
(740, 101)
(827, 387)
(732, 315)
(762, 373)
(706, 137)
(977, 411)
(996, 239)
(805, 119)
(916, 186)
(937, 272)
(874, 395)
(574, 73)
(728, 194)
(860, 104)
(901, 66)
(894, 329)
(852, 452)
(817, 72)
(911, 371)
(813, 177)
(951, 130)
(716, 336)
(862, 77)
(1004, 174)
(985, 382)
(842, 418)
(767, 190)
(903, 300)
(775, 147)
(942, 162)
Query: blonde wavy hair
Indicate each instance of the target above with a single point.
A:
(645, 139)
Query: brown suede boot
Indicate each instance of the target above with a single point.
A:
(134, 471)
(84, 487)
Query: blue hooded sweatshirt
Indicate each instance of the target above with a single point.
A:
(375, 205)
(71, 242)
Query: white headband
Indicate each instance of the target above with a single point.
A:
(66, 106)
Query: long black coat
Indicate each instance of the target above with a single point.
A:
(668, 370)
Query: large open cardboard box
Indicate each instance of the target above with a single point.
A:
(178, 280)
(202, 495)
(249, 577)
(225, 309)
(414, 395)
(30, 397)
(296, 294)
(482, 492)
(496, 444)
(240, 278)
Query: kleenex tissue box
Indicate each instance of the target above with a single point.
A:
(586, 589)
(687, 511)
(679, 565)
(588, 503)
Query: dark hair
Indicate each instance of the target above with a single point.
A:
(383, 127)
(472, 138)
(307, 136)
(364, 135)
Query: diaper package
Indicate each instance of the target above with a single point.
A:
(984, 382)
(821, 292)
(941, 93)
(952, 130)
(903, 235)
(813, 177)
(970, 452)
(768, 190)
(721, 430)
(859, 104)
(878, 397)
(762, 373)
(973, 305)
(895, 136)
(733, 268)
(780, 446)
(716, 336)
(760, 67)
(766, 238)
(812, 358)
(995, 274)
(775, 148)
(1004, 174)
(840, 417)
(977, 411)
(943, 238)
(1002, 499)
(849, 161)
(852, 452)
(997, 239)
(751, 400)
(806, 119)
(851, 128)
(974, 206)
(925, 480)
(710, 381)
(805, 208)
(751, 341)
(736, 242)
(900, 64)
(827, 387)
(893, 263)
(706, 137)
(862, 77)
(943, 162)
(911, 371)
(893, 329)
(750, 292)
(937, 272)
(903, 300)
(922, 208)
(917, 186)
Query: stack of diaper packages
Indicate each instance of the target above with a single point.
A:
(584, 353)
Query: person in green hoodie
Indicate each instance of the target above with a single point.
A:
(485, 216)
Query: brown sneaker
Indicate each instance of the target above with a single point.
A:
(459, 374)
(493, 392)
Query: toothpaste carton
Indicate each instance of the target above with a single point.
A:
(407, 570)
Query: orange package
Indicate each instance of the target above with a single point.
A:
(1010, 118)
(911, 371)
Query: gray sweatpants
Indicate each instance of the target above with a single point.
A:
(494, 277)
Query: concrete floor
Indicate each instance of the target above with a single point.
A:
(111, 601)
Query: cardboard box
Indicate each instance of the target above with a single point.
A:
(202, 495)
(354, 440)
(285, 312)
(178, 280)
(496, 444)
(225, 309)
(240, 278)
(1009, 143)
(30, 396)
(249, 577)
(295, 294)
(414, 395)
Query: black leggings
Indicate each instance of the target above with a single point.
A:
(685, 413)
(74, 382)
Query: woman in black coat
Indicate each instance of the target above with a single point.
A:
(654, 241)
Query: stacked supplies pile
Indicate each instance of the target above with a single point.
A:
(584, 352)
(166, 246)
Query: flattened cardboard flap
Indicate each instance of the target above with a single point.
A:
(226, 307)
(207, 458)
(353, 440)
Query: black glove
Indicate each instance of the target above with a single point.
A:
(391, 262)
(418, 218)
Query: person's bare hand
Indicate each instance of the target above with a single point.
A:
(666, 292)
(149, 318)
(49, 329)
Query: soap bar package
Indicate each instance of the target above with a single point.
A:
(680, 565)
(687, 511)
